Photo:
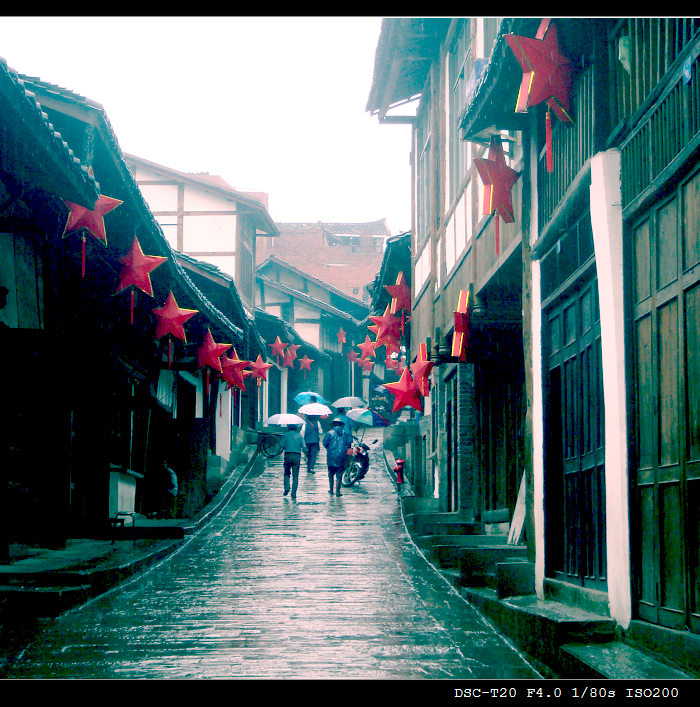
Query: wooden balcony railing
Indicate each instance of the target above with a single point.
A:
(572, 146)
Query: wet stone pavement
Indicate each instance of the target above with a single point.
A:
(323, 587)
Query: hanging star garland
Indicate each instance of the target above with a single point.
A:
(546, 76)
(258, 369)
(171, 320)
(209, 353)
(305, 364)
(421, 370)
(460, 338)
(498, 179)
(136, 271)
(92, 221)
(405, 392)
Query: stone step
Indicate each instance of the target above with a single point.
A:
(446, 550)
(615, 660)
(541, 627)
(442, 524)
(477, 565)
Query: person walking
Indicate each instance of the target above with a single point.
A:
(311, 432)
(292, 444)
(337, 442)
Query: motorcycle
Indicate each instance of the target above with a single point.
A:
(358, 464)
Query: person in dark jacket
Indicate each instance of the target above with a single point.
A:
(310, 431)
(337, 442)
(293, 445)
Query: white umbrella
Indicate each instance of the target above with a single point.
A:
(315, 409)
(349, 402)
(284, 418)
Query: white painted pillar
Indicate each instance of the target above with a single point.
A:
(537, 383)
(606, 220)
(284, 382)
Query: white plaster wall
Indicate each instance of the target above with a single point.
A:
(223, 422)
(606, 220)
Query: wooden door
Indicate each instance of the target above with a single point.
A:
(666, 465)
(575, 449)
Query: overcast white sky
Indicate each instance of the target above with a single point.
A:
(272, 104)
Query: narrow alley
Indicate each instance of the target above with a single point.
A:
(323, 587)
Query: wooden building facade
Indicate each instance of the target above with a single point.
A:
(585, 380)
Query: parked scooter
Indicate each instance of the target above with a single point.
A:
(358, 465)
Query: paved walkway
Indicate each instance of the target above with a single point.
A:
(320, 588)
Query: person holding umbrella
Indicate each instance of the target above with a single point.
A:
(311, 432)
(292, 444)
(337, 442)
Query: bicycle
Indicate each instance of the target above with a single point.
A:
(269, 443)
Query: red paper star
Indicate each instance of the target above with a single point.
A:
(137, 269)
(258, 369)
(305, 364)
(460, 338)
(292, 350)
(288, 359)
(421, 370)
(171, 319)
(405, 392)
(92, 221)
(341, 335)
(277, 347)
(367, 347)
(352, 355)
(498, 179)
(366, 363)
(392, 363)
(210, 353)
(233, 371)
(546, 72)
(400, 293)
(388, 326)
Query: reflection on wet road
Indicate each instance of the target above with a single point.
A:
(320, 588)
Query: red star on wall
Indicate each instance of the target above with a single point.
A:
(546, 76)
(421, 370)
(210, 353)
(400, 293)
(171, 319)
(460, 338)
(405, 392)
(498, 179)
